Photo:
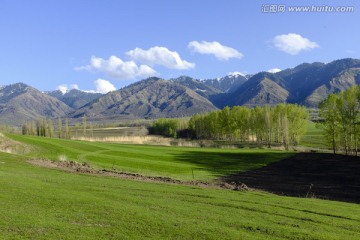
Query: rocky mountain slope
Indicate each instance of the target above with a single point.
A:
(149, 98)
(227, 84)
(20, 103)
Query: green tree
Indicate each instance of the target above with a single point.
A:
(67, 130)
(330, 120)
(59, 128)
(50, 128)
(84, 125)
(298, 118)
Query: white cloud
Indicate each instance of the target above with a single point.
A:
(74, 86)
(104, 86)
(63, 88)
(215, 48)
(117, 68)
(274, 70)
(234, 74)
(293, 43)
(160, 56)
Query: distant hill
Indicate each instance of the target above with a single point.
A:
(20, 103)
(74, 98)
(149, 98)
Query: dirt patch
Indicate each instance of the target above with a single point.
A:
(318, 175)
(76, 167)
(70, 166)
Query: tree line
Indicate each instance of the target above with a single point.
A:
(339, 118)
(169, 127)
(282, 124)
(44, 127)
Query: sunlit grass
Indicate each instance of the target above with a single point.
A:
(183, 163)
(41, 203)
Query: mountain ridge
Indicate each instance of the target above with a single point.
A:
(149, 98)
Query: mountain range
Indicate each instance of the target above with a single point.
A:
(306, 84)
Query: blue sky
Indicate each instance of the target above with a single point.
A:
(106, 44)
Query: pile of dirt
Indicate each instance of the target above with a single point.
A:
(70, 166)
(237, 186)
(318, 175)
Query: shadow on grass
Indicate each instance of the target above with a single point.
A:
(314, 175)
(221, 163)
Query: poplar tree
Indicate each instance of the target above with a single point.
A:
(84, 124)
(67, 130)
(330, 120)
(50, 128)
(59, 128)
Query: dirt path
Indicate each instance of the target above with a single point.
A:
(319, 175)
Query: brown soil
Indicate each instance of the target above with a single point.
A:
(75, 167)
(319, 175)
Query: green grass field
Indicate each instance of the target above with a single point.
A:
(41, 203)
(175, 162)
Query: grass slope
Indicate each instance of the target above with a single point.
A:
(40, 203)
(175, 162)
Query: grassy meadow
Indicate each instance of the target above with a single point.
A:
(175, 162)
(42, 203)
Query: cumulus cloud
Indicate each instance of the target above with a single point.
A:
(274, 70)
(221, 52)
(160, 56)
(293, 43)
(103, 86)
(117, 68)
(64, 88)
